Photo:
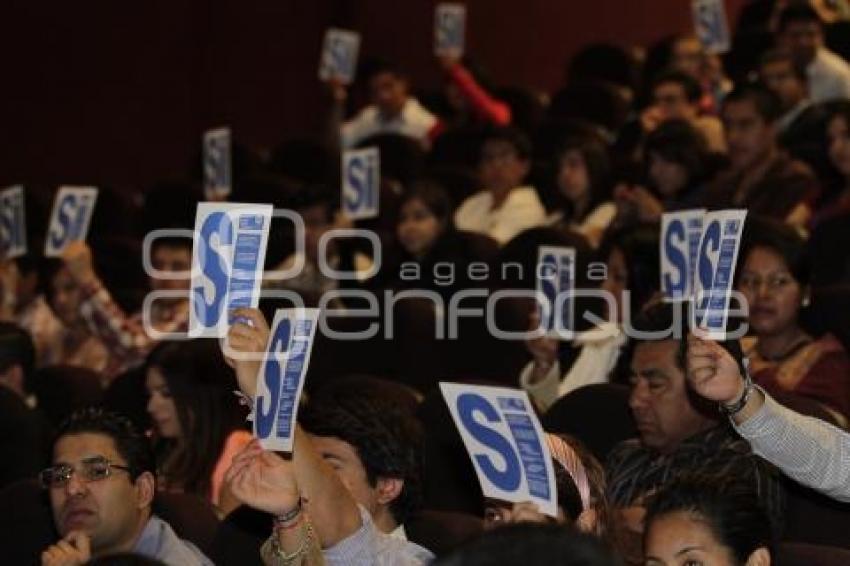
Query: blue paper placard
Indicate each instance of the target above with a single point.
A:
(680, 235)
(449, 29)
(13, 232)
(555, 275)
(339, 55)
(361, 183)
(217, 164)
(69, 221)
(711, 25)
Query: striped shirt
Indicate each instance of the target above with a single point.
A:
(808, 450)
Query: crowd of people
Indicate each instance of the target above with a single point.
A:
(670, 450)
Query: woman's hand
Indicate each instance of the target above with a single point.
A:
(245, 347)
(263, 480)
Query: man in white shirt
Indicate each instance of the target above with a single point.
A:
(801, 32)
(505, 207)
(392, 110)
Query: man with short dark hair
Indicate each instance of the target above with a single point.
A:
(761, 177)
(101, 485)
(801, 32)
(679, 433)
(375, 448)
(393, 110)
(780, 73)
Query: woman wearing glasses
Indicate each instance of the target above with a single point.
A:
(773, 277)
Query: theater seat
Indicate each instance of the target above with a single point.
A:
(191, 517)
(598, 415)
(813, 518)
(61, 390)
(441, 531)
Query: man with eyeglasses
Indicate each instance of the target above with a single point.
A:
(101, 485)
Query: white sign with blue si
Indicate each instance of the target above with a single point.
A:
(711, 25)
(506, 443)
(69, 221)
(339, 55)
(680, 236)
(217, 164)
(555, 274)
(281, 378)
(361, 183)
(228, 257)
(449, 29)
(13, 231)
(715, 269)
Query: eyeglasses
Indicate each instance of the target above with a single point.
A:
(90, 470)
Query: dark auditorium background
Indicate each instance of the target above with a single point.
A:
(118, 94)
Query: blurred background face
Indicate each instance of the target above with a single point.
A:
(501, 167)
(673, 101)
(684, 539)
(748, 136)
(779, 77)
(388, 92)
(667, 176)
(173, 259)
(66, 299)
(838, 135)
(573, 180)
(803, 39)
(616, 284)
(688, 56)
(773, 294)
(161, 406)
(418, 228)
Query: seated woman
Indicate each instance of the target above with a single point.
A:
(431, 254)
(75, 345)
(706, 521)
(584, 188)
(580, 479)
(197, 425)
(505, 207)
(773, 278)
(630, 282)
(838, 143)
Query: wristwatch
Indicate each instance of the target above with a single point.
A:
(734, 408)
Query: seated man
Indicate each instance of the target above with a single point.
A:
(761, 177)
(505, 207)
(344, 530)
(101, 486)
(375, 449)
(678, 434)
(780, 73)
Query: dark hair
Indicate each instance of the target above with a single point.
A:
(531, 544)
(782, 55)
(639, 244)
(597, 161)
(371, 67)
(765, 101)
(677, 141)
(387, 440)
(798, 12)
(778, 237)
(433, 196)
(729, 507)
(317, 195)
(202, 386)
(512, 136)
(17, 349)
(130, 444)
(692, 88)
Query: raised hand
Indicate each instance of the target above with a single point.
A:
(712, 371)
(78, 259)
(246, 343)
(263, 480)
(543, 349)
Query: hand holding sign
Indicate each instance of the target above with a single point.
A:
(69, 221)
(339, 55)
(711, 25)
(13, 235)
(263, 480)
(78, 260)
(506, 443)
(246, 343)
(361, 169)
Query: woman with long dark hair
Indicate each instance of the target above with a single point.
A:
(197, 425)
